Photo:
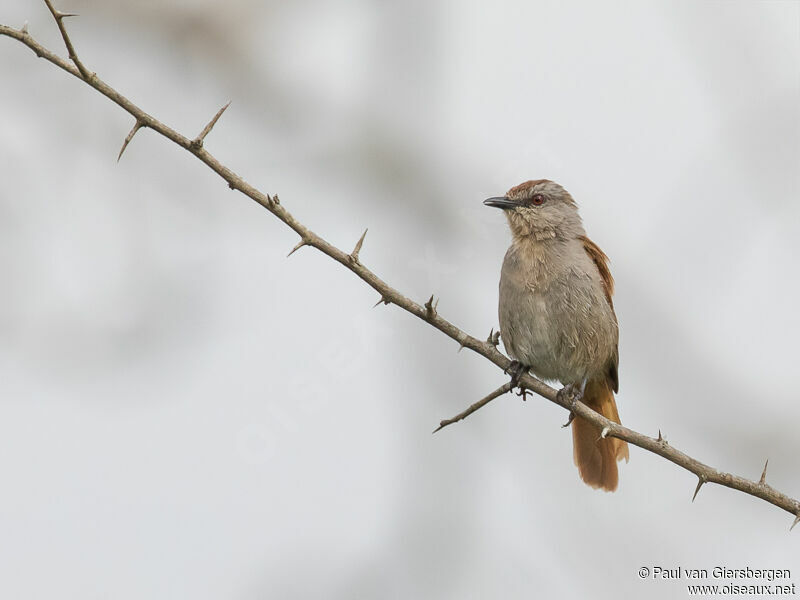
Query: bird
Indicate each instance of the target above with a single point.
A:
(557, 316)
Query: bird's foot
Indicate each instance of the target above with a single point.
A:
(570, 395)
(516, 369)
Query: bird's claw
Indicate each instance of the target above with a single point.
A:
(570, 395)
(516, 369)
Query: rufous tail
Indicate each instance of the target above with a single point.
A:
(596, 457)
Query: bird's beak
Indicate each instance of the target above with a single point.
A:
(502, 202)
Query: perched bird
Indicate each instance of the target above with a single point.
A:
(556, 315)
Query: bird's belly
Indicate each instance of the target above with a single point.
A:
(564, 334)
(530, 337)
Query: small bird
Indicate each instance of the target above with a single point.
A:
(557, 318)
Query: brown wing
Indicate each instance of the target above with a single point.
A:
(601, 260)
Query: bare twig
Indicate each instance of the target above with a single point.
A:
(390, 295)
(503, 389)
(73, 56)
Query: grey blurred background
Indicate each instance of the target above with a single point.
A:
(188, 414)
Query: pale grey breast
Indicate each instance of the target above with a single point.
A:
(554, 315)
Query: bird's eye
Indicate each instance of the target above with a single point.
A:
(537, 199)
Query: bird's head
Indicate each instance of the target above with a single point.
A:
(540, 208)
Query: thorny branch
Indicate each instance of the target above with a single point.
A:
(389, 295)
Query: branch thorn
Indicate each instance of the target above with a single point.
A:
(796, 521)
(494, 337)
(299, 245)
(430, 308)
(701, 479)
(384, 300)
(357, 249)
(763, 479)
(197, 142)
(136, 127)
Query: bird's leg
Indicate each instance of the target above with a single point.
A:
(571, 394)
(516, 369)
